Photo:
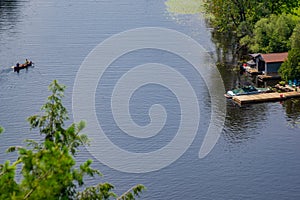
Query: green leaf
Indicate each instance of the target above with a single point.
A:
(133, 192)
(81, 125)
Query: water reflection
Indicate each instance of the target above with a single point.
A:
(268, 169)
(232, 78)
(245, 122)
(225, 47)
(8, 14)
(190, 15)
(241, 123)
(292, 110)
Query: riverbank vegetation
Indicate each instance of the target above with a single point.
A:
(48, 168)
(185, 6)
(290, 69)
(257, 26)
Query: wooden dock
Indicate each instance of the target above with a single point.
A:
(253, 72)
(265, 97)
(263, 78)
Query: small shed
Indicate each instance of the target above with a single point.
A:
(270, 63)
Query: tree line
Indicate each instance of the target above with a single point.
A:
(260, 26)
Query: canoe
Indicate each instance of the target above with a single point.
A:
(22, 66)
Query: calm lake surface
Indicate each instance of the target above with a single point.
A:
(256, 157)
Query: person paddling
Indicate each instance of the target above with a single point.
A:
(17, 67)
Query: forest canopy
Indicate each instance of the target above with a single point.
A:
(258, 26)
(246, 20)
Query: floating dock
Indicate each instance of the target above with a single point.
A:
(265, 97)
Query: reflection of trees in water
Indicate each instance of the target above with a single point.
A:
(8, 13)
(292, 110)
(241, 123)
(229, 52)
(244, 123)
(233, 78)
(8, 5)
(225, 47)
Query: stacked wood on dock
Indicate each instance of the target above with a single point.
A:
(263, 78)
(284, 88)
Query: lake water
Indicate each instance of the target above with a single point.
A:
(256, 157)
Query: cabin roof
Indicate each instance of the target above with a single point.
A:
(274, 57)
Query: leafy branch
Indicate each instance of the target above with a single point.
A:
(49, 167)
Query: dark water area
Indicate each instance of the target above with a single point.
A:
(256, 157)
(226, 48)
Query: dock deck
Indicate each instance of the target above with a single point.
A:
(265, 97)
(263, 78)
(253, 71)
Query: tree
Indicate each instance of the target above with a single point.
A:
(290, 69)
(229, 14)
(295, 38)
(237, 18)
(48, 167)
(272, 34)
(281, 6)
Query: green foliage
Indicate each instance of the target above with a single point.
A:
(290, 69)
(281, 6)
(8, 187)
(1, 129)
(261, 25)
(48, 167)
(132, 192)
(101, 191)
(54, 114)
(282, 83)
(229, 14)
(272, 34)
(295, 38)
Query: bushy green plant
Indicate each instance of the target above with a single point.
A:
(282, 83)
(272, 34)
(290, 69)
(48, 168)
